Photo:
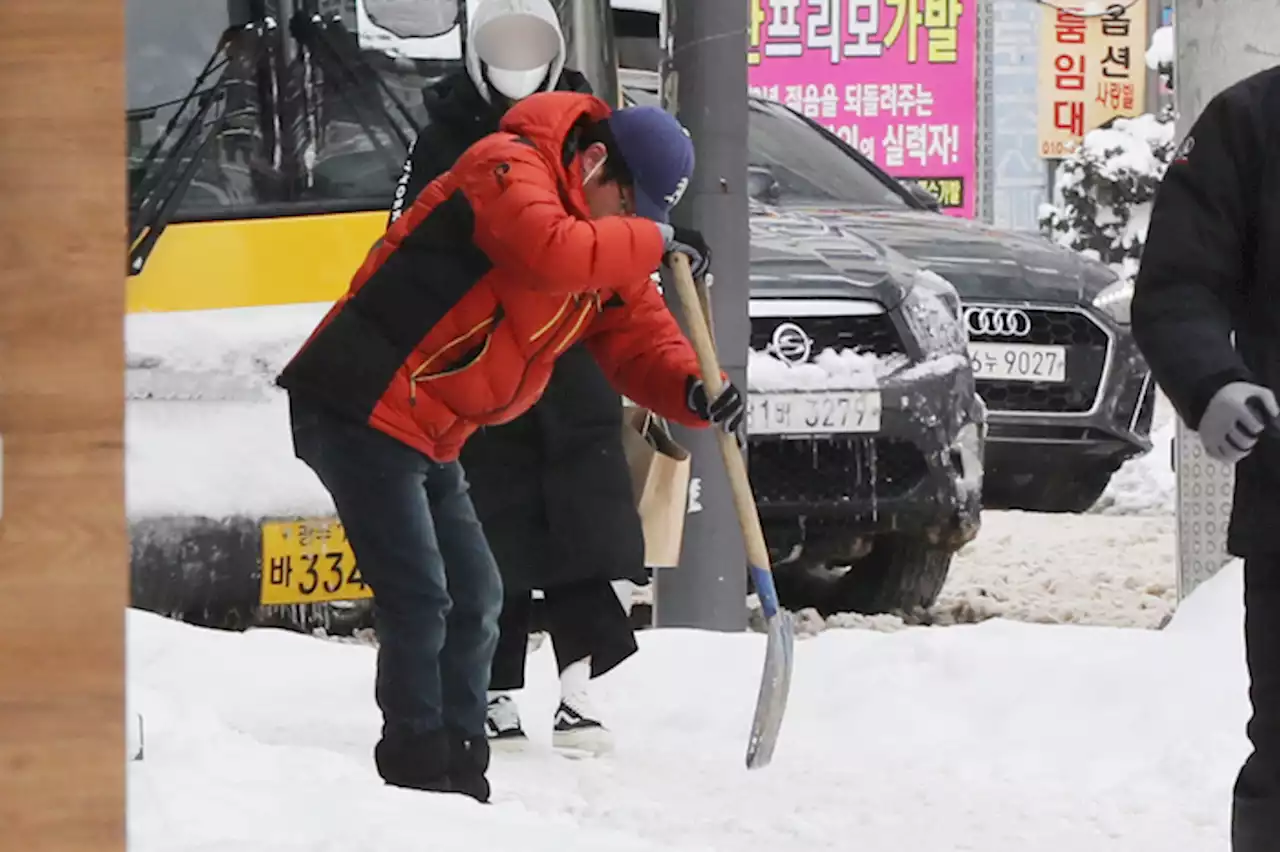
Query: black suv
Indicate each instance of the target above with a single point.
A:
(1070, 395)
(866, 433)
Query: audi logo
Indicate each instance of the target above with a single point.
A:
(791, 343)
(997, 322)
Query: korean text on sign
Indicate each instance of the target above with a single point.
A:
(1068, 79)
(1115, 89)
(852, 29)
(896, 79)
(1093, 71)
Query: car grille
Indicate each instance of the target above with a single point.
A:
(872, 335)
(1087, 350)
(833, 470)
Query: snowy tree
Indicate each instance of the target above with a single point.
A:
(1103, 193)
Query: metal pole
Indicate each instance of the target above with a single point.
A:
(705, 84)
(1216, 44)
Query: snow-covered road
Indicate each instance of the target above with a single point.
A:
(1113, 566)
(996, 737)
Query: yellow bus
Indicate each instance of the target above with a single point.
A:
(265, 137)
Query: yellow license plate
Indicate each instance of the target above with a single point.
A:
(308, 561)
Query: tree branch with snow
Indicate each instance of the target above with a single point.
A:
(1103, 193)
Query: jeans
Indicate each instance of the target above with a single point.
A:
(436, 588)
(1255, 817)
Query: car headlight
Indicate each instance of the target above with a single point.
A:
(942, 288)
(1115, 301)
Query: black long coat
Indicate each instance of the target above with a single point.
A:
(1211, 268)
(552, 487)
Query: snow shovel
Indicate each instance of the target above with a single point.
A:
(775, 681)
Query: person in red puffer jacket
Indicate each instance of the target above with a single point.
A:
(541, 236)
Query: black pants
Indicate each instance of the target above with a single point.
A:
(1255, 818)
(418, 544)
(583, 619)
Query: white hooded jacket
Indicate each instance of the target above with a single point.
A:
(510, 45)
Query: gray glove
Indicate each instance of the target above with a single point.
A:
(1234, 420)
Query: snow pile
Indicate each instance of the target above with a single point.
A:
(846, 369)
(206, 430)
(231, 354)
(1104, 192)
(216, 460)
(1064, 569)
(996, 737)
(1159, 55)
(1146, 485)
(1087, 570)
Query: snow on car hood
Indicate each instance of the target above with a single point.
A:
(981, 261)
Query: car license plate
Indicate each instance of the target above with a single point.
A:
(1018, 362)
(829, 412)
(307, 562)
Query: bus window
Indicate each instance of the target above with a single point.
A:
(311, 114)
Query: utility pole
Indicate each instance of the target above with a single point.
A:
(1216, 44)
(704, 82)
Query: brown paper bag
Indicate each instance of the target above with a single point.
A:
(660, 470)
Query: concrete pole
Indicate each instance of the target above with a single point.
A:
(705, 84)
(1216, 43)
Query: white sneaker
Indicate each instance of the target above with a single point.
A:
(502, 724)
(577, 733)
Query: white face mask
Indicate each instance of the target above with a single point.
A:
(517, 84)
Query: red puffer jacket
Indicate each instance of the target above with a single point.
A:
(458, 313)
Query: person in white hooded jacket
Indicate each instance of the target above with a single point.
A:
(552, 488)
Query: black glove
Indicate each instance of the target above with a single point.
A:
(688, 242)
(728, 411)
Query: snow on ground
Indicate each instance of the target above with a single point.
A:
(994, 737)
(1083, 569)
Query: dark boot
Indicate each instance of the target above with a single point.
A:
(416, 761)
(468, 763)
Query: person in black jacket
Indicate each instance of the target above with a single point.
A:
(552, 488)
(1211, 270)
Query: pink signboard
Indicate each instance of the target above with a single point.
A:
(897, 79)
